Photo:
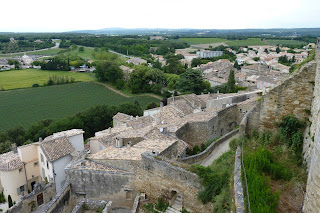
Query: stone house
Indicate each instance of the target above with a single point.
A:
(136, 61)
(126, 71)
(209, 54)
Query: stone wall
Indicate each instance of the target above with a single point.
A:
(160, 178)
(312, 147)
(237, 184)
(103, 185)
(293, 96)
(93, 205)
(199, 132)
(201, 156)
(28, 203)
(62, 202)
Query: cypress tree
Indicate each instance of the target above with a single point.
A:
(231, 84)
(10, 201)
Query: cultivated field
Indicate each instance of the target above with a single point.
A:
(203, 40)
(248, 42)
(285, 42)
(15, 79)
(25, 106)
(48, 52)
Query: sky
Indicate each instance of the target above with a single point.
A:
(68, 15)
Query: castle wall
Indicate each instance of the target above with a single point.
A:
(312, 147)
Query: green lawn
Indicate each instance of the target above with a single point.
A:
(285, 42)
(203, 40)
(15, 79)
(248, 42)
(23, 107)
(87, 53)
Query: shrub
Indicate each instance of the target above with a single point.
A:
(162, 205)
(35, 85)
(2, 198)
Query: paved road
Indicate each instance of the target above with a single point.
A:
(217, 152)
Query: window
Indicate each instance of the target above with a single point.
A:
(20, 170)
(41, 156)
(47, 164)
(35, 164)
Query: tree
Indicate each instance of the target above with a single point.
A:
(256, 58)
(138, 82)
(192, 81)
(10, 203)
(108, 71)
(195, 62)
(81, 49)
(278, 49)
(231, 84)
(236, 65)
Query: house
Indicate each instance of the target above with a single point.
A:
(27, 60)
(255, 68)
(214, 81)
(126, 72)
(40, 162)
(137, 61)
(268, 81)
(156, 38)
(209, 54)
(19, 171)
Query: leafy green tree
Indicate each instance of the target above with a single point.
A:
(138, 83)
(278, 49)
(231, 84)
(81, 49)
(157, 64)
(256, 58)
(195, 62)
(172, 80)
(108, 71)
(192, 81)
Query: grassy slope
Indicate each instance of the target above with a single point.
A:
(26, 78)
(25, 106)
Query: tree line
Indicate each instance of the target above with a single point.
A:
(94, 119)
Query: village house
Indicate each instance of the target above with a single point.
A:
(40, 162)
(255, 68)
(136, 61)
(126, 71)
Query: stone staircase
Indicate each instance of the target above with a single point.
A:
(176, 207)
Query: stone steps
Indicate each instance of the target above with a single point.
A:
(176, 206)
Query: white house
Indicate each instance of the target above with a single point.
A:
(209, 54)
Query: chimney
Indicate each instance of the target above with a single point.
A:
(109, 130)
(14, 148)
(137, 117)
(161, 104)
(40, 139)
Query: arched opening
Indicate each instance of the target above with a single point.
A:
(173, 196)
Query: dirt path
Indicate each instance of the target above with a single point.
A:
(124, 95)
(217, 152)
(112, 89)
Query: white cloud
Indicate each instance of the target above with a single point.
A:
(65, 15)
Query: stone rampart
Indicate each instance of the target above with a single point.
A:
(201, 156)
(312, 146)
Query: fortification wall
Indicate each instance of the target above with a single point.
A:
(293, 96)
(312, 147)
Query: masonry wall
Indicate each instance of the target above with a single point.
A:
(100, 185)
(159, 178)
(293, 96)
(312, 147)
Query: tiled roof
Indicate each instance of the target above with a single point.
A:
(10, 161)
(56, 148)
(91, 165)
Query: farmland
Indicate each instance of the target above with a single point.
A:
(248, 42)
(15, 79)
(285, 42)
(25, 106)
(203, 40)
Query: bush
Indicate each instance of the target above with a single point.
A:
(35, 85)
(2, 198)
(162, 205)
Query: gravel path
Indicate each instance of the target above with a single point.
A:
(217, 152)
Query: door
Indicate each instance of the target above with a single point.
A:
(40, 199)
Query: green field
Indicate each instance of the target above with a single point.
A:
(48, 52)
(87, 53)
(248, 42)
(15, 79)
(25, 106)
(203, 40)
(284, 42)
